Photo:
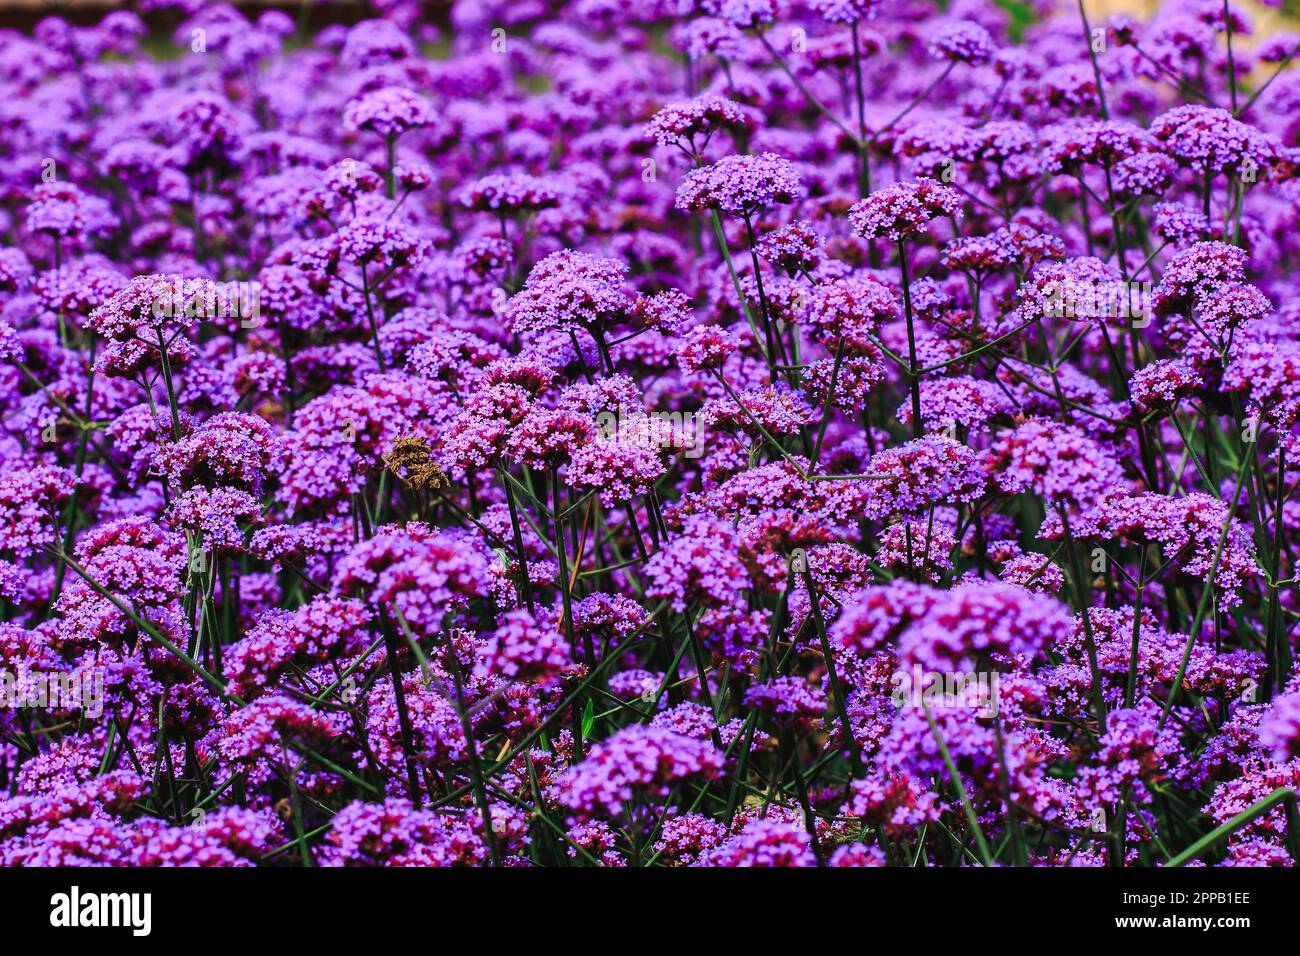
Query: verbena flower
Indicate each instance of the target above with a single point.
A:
(902, 210)
(740, 185)
(637, 760)
(389, 112)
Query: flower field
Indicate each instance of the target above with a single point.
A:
(678, 433)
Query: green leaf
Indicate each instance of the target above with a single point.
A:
(588, 718)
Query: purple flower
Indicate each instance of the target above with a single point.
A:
(1269, 374)
(910, 477)
(1208, 138)
(1195, 273)
(917, 548)
(619, 470)
(215, 515)
(570, 291)
(702, 564)
(740, 185)
(762, 843)
(228, 449)
(788, 698)
(964, 42)
(902, 210)
(524, 648)
(977, 626)
(393, 833)
(389, 112)
(690, 124)
(795, 248)
(636, 761)
(1056, 461)
(707, 348)
(683, 838)
(846, 11)
(851, 312)
(510, 194)
(1162, 383)
(1189, 528)
(1279, 730)
(416, 574)
(30, 501)
(63, 210)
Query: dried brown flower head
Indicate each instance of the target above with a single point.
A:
(412, 461)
